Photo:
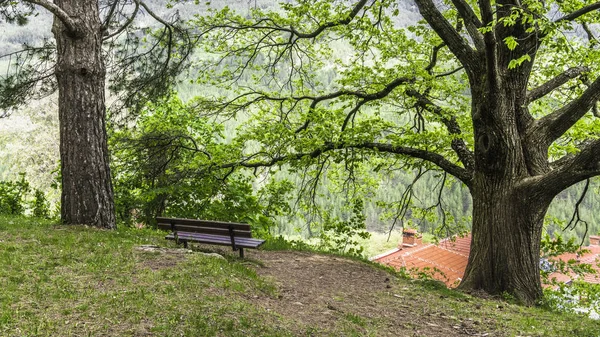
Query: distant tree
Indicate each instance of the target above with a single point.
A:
(85, 32)
(501, 95)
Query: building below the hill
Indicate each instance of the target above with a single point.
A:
(447, 260)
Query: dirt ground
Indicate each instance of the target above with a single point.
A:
(322, 292)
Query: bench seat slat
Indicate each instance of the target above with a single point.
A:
(239, 241)
(216, 239)
(206, 230)
(185, 235)
(203, 223)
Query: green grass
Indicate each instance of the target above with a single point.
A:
(77, 281)
(379, 243)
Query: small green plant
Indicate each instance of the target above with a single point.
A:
(342, 236)
(16, 199)
(508, 297)
(12, 196)
(428, 274)
(551, 248)
(280, 243)
(39, 205)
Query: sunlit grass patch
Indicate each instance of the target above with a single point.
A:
(70, 280)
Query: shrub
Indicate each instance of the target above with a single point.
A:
(16, 199)
(12, 196)
(39, 205)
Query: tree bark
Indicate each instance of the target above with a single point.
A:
(505, 244)
(87, 193)
(508, 215)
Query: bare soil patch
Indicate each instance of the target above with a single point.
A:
(157, 258)
(323, 295)
(321, 292)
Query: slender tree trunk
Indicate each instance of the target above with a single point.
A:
(87, 194)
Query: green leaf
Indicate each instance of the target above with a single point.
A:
(511, 42)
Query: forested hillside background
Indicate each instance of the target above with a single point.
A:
(29, 144)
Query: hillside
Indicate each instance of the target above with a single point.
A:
(74, 281)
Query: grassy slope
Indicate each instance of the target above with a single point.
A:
(74, 281)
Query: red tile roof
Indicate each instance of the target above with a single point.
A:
(593, 278)
(558, 277)
(458, 244)
(592, 257)
(447, 260)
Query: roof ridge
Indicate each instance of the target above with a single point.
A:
(417, 249)
(454, 236)
(454, 251)
(384, 254)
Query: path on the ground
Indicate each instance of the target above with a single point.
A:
(322, 291)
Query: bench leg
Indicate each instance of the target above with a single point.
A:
(185, 245)
(242, 253)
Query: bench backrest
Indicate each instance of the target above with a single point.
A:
(204, 226)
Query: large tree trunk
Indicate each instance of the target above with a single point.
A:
(87, 194)
(507, 217)
(505, 246)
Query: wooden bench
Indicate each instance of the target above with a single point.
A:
(236, 235)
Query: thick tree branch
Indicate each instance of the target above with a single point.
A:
(309, 35)
(315, 100)
(467, 13)
(456, 43)
(434, 158)
(554, 83)
(352, 113)
(374, 96)
(582, 11)
(491, 45)
(69, 22)
(554, 125)
(569, 170)
(472, 22)
(269, 24)
(152, 14)
(364, 97)
(434, 58)
(487, 12)
(458, 145)
(449, 72)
